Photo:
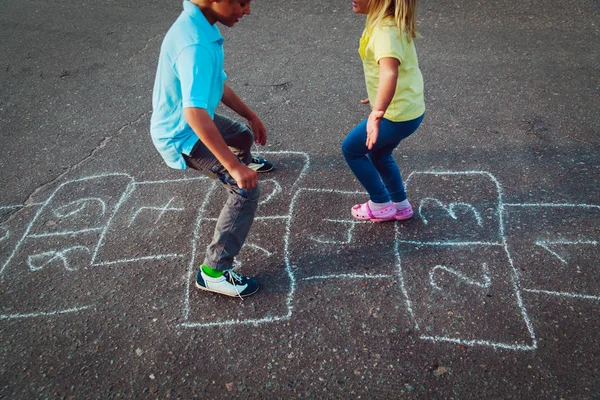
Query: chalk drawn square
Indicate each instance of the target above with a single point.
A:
(454, 206)
(277, 187)
(326, 241)
(261, 257)
(80, 205)
(556, 248)
(54, 274)
(155, 221)
(463, 294)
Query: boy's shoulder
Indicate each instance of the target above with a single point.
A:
(186, 32)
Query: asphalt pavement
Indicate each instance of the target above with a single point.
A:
(491, 290)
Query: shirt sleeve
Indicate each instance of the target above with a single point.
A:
(387, 43)
(195, 69)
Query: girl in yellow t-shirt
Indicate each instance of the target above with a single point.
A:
(395, 88)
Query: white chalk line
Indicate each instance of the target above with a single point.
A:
(551, 205)
(233, 322)
(523, 347)
(137, 259)
(256, 247)
(82, 203)
(348, 276)
(129, 189)
(546, 243)
(6, 234)
(296, 153)
(276, 190)
(162, 210)
(198, 178)
(192, 264)
(450, 209)
(43, 314)
(564, 294)
(485, 283)
(12, 207)
(64, 233)
(53, 255)
(516, 283)
(15, 206)
(409, 308)
(435, 243)
(267, 217)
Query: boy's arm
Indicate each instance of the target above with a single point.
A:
(231, 100)
(207, 132)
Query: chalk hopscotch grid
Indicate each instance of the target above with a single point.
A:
(515, 279)
(25, 235)
(44, 206)
(126, 194)
(129, 189)
(288, 268)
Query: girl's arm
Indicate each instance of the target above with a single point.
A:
(231, 100)
(388, 77)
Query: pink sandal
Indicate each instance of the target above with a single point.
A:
(405, 213)
(364, 213)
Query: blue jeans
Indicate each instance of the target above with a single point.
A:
(237, 215)
(376, 169)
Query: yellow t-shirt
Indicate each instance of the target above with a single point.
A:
(385, 41)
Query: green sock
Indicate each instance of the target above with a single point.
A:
(213, 273)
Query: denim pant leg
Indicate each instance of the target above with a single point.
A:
(377, 170)
(384, 162)
(237, 214)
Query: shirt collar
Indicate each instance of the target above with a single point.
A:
(211, 31)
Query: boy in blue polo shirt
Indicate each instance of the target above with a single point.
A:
(190, 83)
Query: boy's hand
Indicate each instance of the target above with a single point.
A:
(373, 127)
(245, 177)
(260, 133)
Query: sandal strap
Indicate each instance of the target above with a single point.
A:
(369, 213)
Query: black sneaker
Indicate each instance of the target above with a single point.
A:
(230, 284)
(260, 164)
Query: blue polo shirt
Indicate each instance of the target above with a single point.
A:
(189, 74)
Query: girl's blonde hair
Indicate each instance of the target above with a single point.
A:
(403, 13)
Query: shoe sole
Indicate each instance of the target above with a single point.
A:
(261, 171)
(375, 219)
(223, 293)
(404, 217)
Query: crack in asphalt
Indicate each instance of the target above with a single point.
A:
(100, 146)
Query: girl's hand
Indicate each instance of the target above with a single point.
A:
(373, 127)
(365, 101)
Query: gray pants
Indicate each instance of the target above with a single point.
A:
(238, 212)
